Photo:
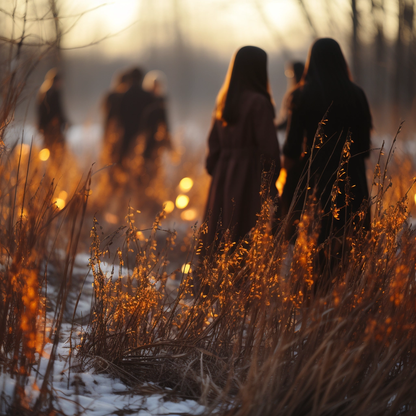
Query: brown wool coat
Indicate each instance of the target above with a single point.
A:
(237, 155)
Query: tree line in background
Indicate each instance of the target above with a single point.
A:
(385, 67)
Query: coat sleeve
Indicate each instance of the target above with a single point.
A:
(265, 134)
(365, 134)
(292, 147)
(214, 148)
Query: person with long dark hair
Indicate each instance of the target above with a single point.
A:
(327, 142)
(242, 143)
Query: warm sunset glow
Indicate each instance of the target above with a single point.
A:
(186, 268)
(415, 198)
(44, 154)
(111, 218)
(140, 236)
(189, 214)
(25, 149)
(281, 180)
(60, 203)
(63, 195)
(186, 184)
(182, 201)
(168, 206)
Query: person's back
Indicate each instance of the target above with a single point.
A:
(132, 107)
(242, 142)
(327, 96)
(51, 117)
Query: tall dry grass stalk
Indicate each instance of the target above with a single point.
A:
(262, 328)
(31, 223)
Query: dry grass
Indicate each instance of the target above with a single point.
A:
(33, 231)
(250, 333)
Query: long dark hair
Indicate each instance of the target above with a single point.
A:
(327, 67)
(247, 71)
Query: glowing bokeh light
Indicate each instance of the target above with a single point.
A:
(281, 180)
(111, 218)
(186, 268)
(44, 154)
(60, 203)
(186, 184)
(182, 201)
(415, 198)
(140, 236)
(168, 206)
(189, 214)
(63, 195)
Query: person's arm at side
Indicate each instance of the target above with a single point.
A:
(214, 148)
(265, 134)
(292, 148)
(367, 125)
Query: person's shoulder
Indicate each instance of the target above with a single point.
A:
(256, 97)
(257, 101)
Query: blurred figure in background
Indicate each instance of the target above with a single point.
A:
(293, 72)
(52, 121)
(242, 143)
(111, 107)
(327, 91)
(133, 104)
(157, 136)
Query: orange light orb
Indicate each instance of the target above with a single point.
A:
(189, 214)
(60, 203)
(182, 201)
(63, 195)
(168, 206)
(186, 184)
(44, 154)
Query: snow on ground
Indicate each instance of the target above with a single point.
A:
(98, 394)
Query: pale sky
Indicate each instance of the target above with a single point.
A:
(222, 25)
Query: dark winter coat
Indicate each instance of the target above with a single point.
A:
(238, 152)
(132, 107)
(51, 117)
(157, 132)
(308, 107)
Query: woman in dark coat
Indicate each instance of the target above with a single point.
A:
(327, 93)
(242, 143)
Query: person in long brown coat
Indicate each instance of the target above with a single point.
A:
(242, 143)
(326, 92)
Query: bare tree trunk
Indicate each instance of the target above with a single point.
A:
(404, 84)
(57, 53)
(308, 18)
(355, 42)
(379, 81)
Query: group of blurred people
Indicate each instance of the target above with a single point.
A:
(325, 115)
(135, 124)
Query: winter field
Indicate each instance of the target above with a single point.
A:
(101, 316)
